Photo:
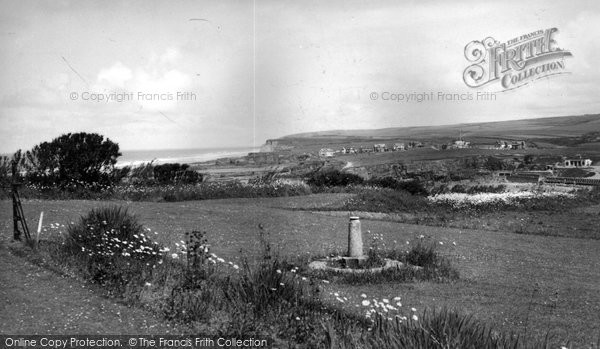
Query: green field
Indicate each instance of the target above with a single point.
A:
(508, 280)
(428, 154)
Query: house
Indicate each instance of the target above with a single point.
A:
(398, 146)
(577, 162)
(510, 145)
(326, 153)
(379, 148)
(415, 145)
(501, 145)
(461, 144)
(503, 173)
(517, 145)
(350, 150)
(571, 163)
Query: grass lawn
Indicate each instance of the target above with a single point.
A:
(35, 300)
(507, 279)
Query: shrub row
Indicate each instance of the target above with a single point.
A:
(336, 178)
(386, 200)
(180, 192)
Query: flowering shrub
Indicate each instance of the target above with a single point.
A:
(495, 200)
(110, 231)
(112, 240)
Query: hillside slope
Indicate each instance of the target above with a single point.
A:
(553, 127)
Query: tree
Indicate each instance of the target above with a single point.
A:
(10, 164)
(73, 157)
(5, 170)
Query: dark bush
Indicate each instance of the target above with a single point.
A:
(176, 173)
(415, 187)
(486, 189)
(458, 188)
(333, 178)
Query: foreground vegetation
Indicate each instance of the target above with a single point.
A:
(268, 296)
(501, 279)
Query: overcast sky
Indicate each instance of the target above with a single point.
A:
(266, 69)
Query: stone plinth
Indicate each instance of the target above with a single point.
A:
(354, 262)
(355, 242)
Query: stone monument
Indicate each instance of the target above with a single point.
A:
(355, 256)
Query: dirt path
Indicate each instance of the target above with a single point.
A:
(34, 300)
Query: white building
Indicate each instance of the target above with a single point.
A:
(577, 162)
(326, 153)
(379, 148)
(399, 146)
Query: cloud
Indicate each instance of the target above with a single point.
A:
(170, 56)
(160, 82)
(156, 75)
(116, 75)
(154, 83)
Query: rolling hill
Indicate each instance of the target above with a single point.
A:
(542, 128)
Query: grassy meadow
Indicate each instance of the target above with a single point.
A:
(525, 283)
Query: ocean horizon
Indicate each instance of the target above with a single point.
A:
(182, 156)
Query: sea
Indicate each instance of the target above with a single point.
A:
(182, 156)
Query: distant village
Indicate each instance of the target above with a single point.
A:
(543, 169)
(457, 144)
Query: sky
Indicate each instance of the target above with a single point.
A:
(208, 74)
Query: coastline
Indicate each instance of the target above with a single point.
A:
(191, 156)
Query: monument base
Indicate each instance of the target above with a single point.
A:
(354, 262)
(326, 265)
